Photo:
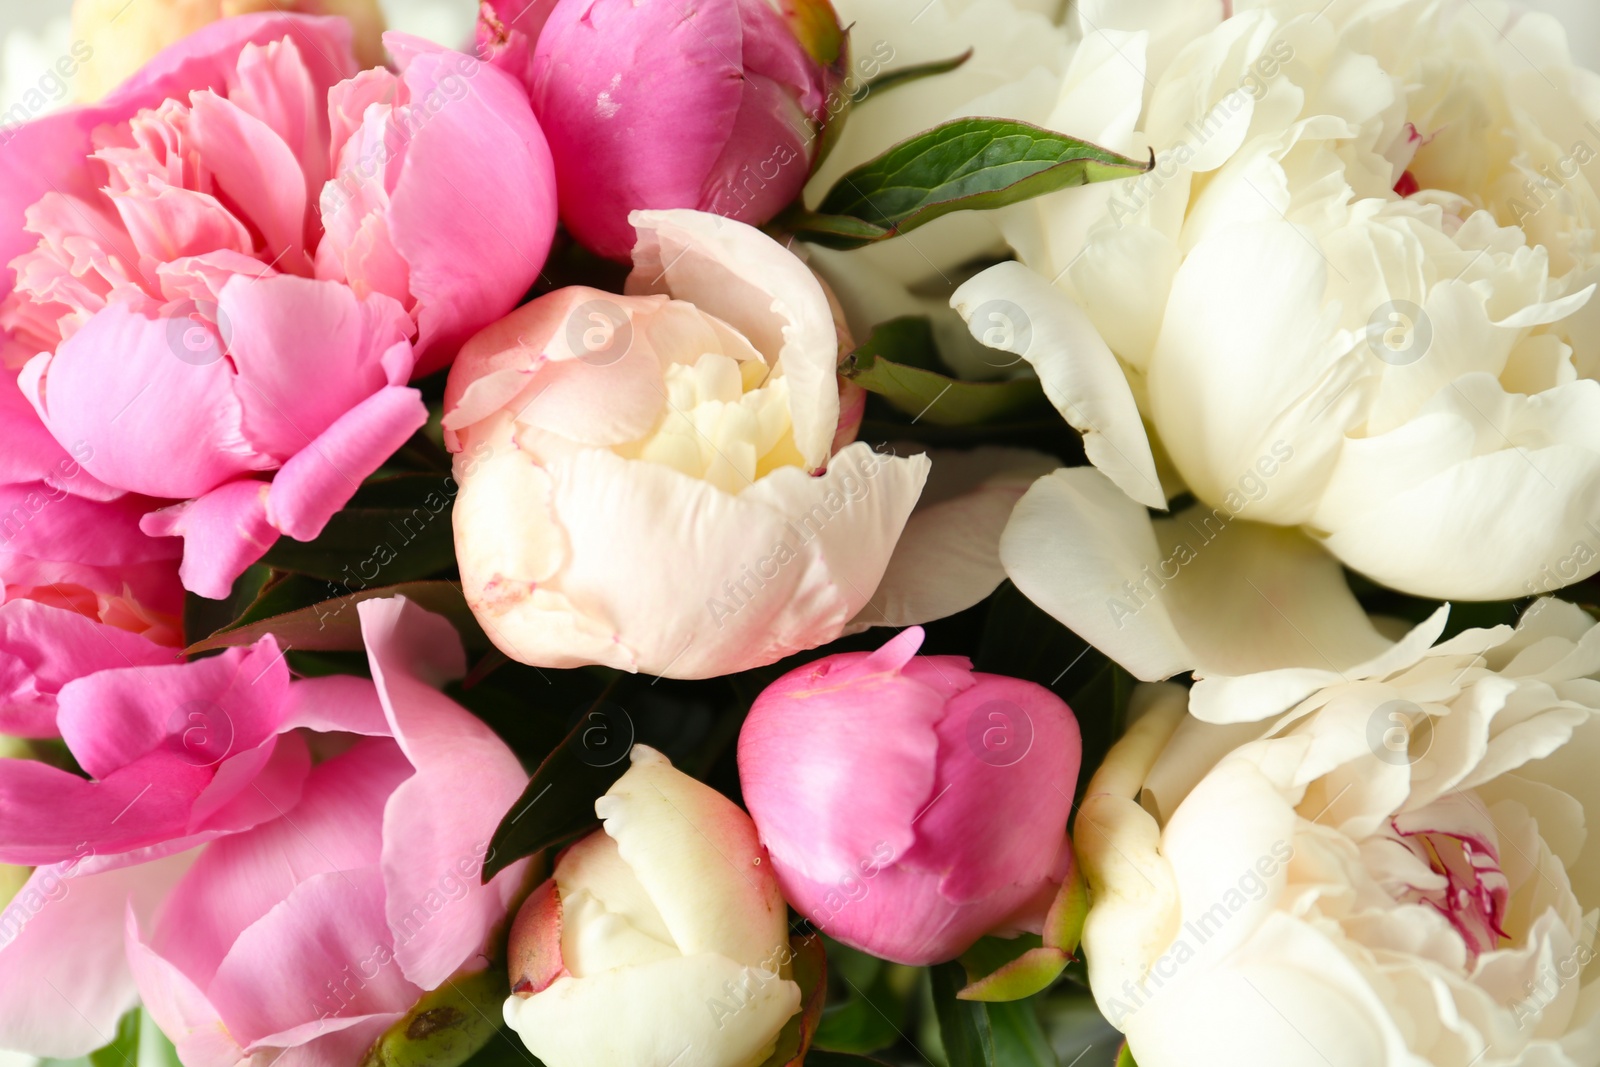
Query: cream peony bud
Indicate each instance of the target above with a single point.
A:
(654, 481)
(123, 37)
(661, 940)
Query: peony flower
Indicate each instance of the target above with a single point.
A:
(177, 225)
(81, 590)
(1393, 871)
(243, 838)
(1392, 278)
(660, 481)
(311, 934)
(661, 939)
(119, 38)
(910, 805)
(719, 107)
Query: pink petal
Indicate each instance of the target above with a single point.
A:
(154, 423)
(274, 85)
(255, 169)
(223, 532)
(178, 1006)
(336, 826)
(207, 710)
(438, 824)
(288, 333)
(43, 648)
(31, 454)
(339, 703)
(63, 977)
(326, 473)
(328, 943)
(502, 218)
(1005, 745)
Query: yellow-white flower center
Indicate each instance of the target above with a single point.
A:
(725, 421)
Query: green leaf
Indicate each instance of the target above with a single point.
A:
(202, 616)
(447, 1026)
(301, 614)
(558, 804)
(973, 164)
(892, 79)
(822, 1058)
(929, 395)
(809, 970)
(397, 530)
(963, 1024)
(155, 1048)
(873, 1015)
(1125, 1057)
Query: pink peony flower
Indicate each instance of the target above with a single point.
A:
(81, 590)
(227, 272)
(271, 899)
(909, 804)
(718, 107)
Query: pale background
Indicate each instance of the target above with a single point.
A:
(31, 29)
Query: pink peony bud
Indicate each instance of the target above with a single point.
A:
(910, 805)
(719, 107)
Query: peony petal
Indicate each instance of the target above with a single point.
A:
(322, 477)
(145, 418)
(948, 556)
(477, 269)
(1011, 308)
(257, 171)
(438, 823)
(63, 976)
(754, 284)
(573, 1020)
(671, 830)
(287, 332)
(224, 532)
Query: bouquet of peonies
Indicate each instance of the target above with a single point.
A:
(609, 543)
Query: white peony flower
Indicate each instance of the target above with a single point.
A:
(1396, 871)
(1370, 238)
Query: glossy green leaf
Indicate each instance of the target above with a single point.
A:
(892, 79)
(808, 965)
(394, 530)
(966, 164)
(447, 1026)
(927, 395)
(558, 804)
(976, 1034)
(1125, 1057)
(821, 1058)
(1011, 969)
(873, 1014)
(317, 616)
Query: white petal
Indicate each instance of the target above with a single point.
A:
(697, 857)
(662, 1014)
(754, 284)
(948, 556)
(1011, 308)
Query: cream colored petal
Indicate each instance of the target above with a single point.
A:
(1011, 308)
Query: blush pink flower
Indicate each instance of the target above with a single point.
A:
(214, 868)
(227, 272)
(910, 804)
